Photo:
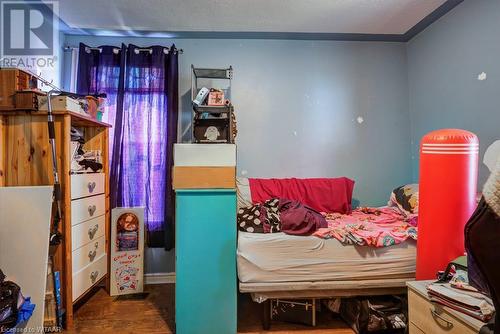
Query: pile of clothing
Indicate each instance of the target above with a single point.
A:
(322, 207)
(280, 215)
(405, 199)
(377, 227)
(462, 297)
(482, 233)
(15, 309)
(83, 161)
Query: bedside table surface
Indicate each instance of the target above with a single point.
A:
(420, 288)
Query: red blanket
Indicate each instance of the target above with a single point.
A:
(321, 194)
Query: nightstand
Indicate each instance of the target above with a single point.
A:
(431, 318)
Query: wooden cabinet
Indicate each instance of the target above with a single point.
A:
(430, 318)
(25, 159)
(12, 80)
(205, 290)
(205, 232)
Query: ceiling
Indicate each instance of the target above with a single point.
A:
(270, 16)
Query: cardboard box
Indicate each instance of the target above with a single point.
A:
(61, 103)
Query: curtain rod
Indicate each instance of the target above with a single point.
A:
(116, 50)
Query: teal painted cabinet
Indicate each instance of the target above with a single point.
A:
(205, 290)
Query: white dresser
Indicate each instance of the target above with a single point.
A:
(88, 227)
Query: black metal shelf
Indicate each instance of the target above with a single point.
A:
(210, 121)
(212, 109)
(217, 141)
(213, 73)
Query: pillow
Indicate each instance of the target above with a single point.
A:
(405, 198)
(243, 192)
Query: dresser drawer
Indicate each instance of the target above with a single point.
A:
(88, 276)
(430, 318)
(87, 208)
(83, 185)
(88, 231)
(87, 254)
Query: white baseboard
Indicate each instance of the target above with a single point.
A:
(159, 278)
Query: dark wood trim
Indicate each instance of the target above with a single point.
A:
(316, 36)
(431, 18)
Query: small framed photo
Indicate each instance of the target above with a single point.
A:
(216, 98)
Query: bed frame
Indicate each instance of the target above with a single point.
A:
(263, 292)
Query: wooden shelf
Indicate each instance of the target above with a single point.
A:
(82, 120)
(77, 119)
(25, 160)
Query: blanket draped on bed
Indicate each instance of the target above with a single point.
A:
(320, 194)
(378, 227)
(293, 206)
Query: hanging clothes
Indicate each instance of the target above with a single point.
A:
(482, 233)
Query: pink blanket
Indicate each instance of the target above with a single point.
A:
(321, 194)
(378, 227)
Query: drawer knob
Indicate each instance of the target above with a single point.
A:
(91, 186)
(93, 276)
(93, 252)
(448, 325)
(91, 209)
(93, 231)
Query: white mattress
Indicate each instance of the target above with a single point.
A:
(278, 257)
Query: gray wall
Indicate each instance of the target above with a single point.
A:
(443, 66)
(297, 104)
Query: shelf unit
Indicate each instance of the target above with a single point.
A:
(204, 116)
(25, 160)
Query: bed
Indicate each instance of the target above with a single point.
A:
(277, 265)
(271, 264)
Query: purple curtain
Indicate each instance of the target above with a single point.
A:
(101, 70)
(172, 82)
(145, 128)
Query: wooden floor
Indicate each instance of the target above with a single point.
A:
(154, 313)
